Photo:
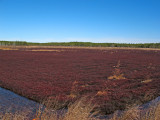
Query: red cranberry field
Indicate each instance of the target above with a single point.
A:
(113, 78)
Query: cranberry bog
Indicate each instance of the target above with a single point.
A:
(112, 78)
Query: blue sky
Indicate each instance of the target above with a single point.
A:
(120, 21)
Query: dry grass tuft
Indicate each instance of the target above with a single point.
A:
(82, 110)
(117, 74)
(117, 77)
(130, 114)
(153, 113)
(46, 50)
(74, 90)
(5, 48)
(146, 81)
(76, 111)
(101, 93)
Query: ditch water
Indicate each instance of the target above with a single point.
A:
(11, 102)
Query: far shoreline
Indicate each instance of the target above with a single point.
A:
(76, 47)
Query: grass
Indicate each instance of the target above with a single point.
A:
(83, 110)
(153, 113)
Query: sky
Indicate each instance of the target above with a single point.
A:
(100, 21)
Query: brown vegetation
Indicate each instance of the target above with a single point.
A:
(73, 47)
(83, 110)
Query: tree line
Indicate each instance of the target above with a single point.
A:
(85, 44)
